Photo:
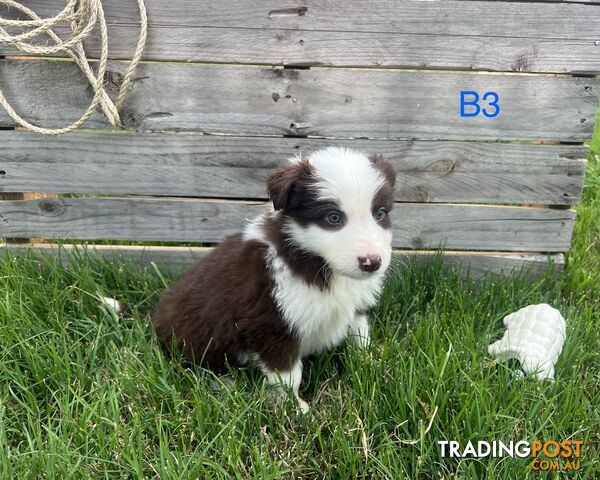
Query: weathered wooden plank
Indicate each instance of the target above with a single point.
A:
(462, 227)
(354, 49)
(20, 195)
(176, 259)
(434, 17)
(437, 34)
(198, 165)
(317, 102)
(477, 265)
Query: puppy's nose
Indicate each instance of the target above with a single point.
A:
(370, 263)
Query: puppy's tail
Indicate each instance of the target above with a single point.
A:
(121, 308)
(113, 304)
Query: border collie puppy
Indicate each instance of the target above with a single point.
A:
(298, 280)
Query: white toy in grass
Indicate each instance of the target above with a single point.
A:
(535, 336)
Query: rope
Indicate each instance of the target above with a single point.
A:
(83, 15)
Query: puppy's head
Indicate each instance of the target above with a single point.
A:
(336, 204)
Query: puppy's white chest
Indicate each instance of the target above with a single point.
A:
(321, 318)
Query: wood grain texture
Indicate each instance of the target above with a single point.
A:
(437, 17)
(478, 265)
(461, 227)
(343, 49)
(172, 164)
(174, 260)
(440, 34)
(20, 195)
(317, 102)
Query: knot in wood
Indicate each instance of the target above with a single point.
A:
(418, 193)
(417, 242)
(443, 167)
(51, 207)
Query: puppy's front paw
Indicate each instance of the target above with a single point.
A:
(279, 398)
(359, 332)
(303, 406)
(361, 341)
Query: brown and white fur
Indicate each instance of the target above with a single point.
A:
(298, 280)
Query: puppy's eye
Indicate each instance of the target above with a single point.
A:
(381, 213)
(334, 217)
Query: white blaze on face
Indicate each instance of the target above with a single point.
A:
(349, 179)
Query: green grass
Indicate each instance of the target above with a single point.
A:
(84, 394)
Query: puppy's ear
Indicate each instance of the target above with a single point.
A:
(386, 167)
(286, 180)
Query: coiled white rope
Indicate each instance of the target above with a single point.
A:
(83, 16)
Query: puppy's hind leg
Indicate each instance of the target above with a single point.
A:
(287, 379)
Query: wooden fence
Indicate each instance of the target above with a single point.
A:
(229, 89)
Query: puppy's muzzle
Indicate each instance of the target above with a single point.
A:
(370, 263)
